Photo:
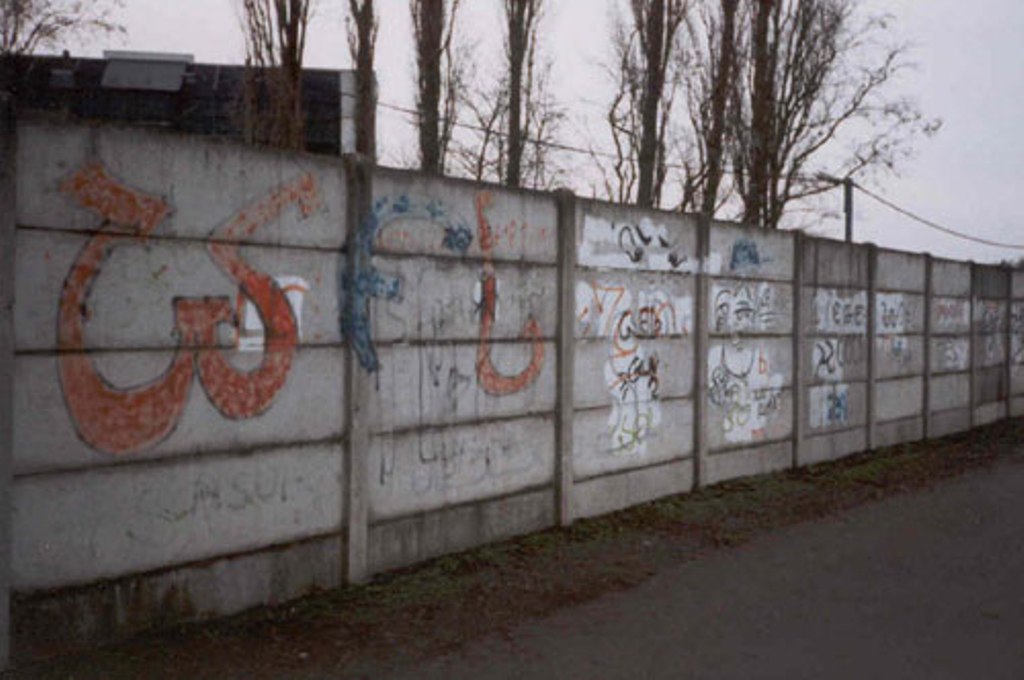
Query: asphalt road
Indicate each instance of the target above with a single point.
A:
(923, 585)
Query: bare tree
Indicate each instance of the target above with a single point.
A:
(646, 82)
(815, 69)
(275, 42)
(440, 78)
(30, 25)
(361, 27)
(521, 20)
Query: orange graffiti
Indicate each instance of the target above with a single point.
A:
(129, 420)
(490, 379)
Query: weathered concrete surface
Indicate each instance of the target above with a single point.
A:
(755, 460)
(72, 529)
(833, 446)
(601, 444)
(951, 278)
(950, 391)
(742, 252)
(992, 282)
(925, 586)
(600, 495)
(831, 263)
(897, 399)
(898, 271)
(49, 623)
(396, 543)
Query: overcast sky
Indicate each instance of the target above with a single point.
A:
(970, 73)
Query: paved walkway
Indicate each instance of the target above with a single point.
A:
(924, 585)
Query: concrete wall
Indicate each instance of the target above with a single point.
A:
(177, 379)
(834, 347)
(633, 387)
(237, 375)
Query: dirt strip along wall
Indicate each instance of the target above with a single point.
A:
(177, 381)
(834, 347)
(991, 316)
(950, 350)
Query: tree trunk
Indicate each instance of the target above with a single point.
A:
(366, 100)
(721, 88)
(428, 51)
(761, 117)
(654, 84)
(517, 39)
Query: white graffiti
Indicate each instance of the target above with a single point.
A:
(744, 390)
(631, 245)
(840, 312)
(829, 406)
(951, 354)
(892, 313)
(744, 306)
(631, 371)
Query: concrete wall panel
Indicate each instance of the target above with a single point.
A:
(951, 278)
(990, 350)
(637, 307)
(746, 462)
(898, 313)
(660, 369)
(898, 356)
(950, 354)
(420, 385)
(951, 315)
(424, 470)
(833, 446)
(307, 408)
(619, 237)
(990, 316)
(950, 422)
(898, 271)
(416, 214)
(950, 391)
(836, 264)
(899, 432)
(420, 537)
(752, 416)
(750, 307)
(990, 385)
(742, 252)
(835, 359)
(440, 300)
(989, 413)
(80, 527)
(131, 302)
(602, 495)
(898, 399)
(835, 406)
(629, 437)
(197, 178)
(1018, 285)
(835, 311)
(992, 282)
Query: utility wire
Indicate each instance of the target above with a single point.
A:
(604, 154)
(928, 223)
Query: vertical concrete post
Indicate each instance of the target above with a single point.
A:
(798, 349)
(972, 364)
(1007, 342)
(700, 353)
(927, 405)
(565, 382)
(872, 369)
(358, 387)
(8, 218)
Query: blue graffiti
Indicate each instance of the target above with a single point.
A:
(745, 255)
(363, 281)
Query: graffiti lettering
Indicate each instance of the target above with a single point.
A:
(490, 379)
(831, 356)
(829, 406)
(626, 245)
(747, 306)
(893, 313)
(745, 256)
(839, 312)
(746, 400)
(129, 420)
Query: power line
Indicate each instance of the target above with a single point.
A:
(928, 223)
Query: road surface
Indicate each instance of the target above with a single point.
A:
(923, 585)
